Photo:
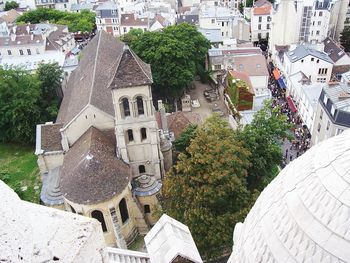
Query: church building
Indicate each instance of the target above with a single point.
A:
(104, 157)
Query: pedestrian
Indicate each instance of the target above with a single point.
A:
(298, 154)
(290, 158)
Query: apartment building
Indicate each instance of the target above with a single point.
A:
(107, 18)
(260, 20)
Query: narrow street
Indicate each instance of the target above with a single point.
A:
(301, 137)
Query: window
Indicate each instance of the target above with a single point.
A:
(332, 110)
(322, 71)
(139, 102)
(143, 134)
(268, 26)
(259, 35)
(321, 114)
(302, 61)
(29, 51)
(222, 24)
(130, 135)
(328, 124)
(320, 13)
(217, 67)
(213, 21)
(65, 5)
(319, 23)
(37, 50)
(318, 61)
(99, 216)
(325, 99)
(21, 52)
(339, 131)
(9, 52)
(126, 107)
(268, 18)
(317, 32)
(123, 209)
(259, 26)
(312, 59)
(260, 19)
(142, 169)
(319, 127)
(146, 209)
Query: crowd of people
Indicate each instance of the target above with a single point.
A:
(301, 135)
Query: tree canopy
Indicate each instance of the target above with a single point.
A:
(27, 99)
(263, 138)
(11, 5)
(175, 54)
(345, 38)
(185, 138)
(83, 21)
(206, 189)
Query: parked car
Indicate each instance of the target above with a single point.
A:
(211, 95)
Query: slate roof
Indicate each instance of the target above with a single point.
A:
(131, 20)
(91, 172)
(190, 19)
(334, 51)
(302, 51)
(51, 137)
(104, 60)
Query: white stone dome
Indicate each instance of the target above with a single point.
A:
(303, 215)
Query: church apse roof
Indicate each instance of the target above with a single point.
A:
(91, 171)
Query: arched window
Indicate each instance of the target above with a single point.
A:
(130, 135)
(146, 209)
(99, 216)
(126, 107)
(123, 210)
(142, 169)
(139, 103)
(143, 134)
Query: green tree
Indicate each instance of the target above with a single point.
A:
(263, 138)
(50, 76)
(185, 138)
(175, 55)
(83, 21)
(131, 35)
(206, 189)
(345, 38)
(19, 105)
(11, 5)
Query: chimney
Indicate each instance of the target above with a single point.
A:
(163, 119)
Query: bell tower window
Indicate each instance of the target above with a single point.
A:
(126, 107)
(130, 135)
(139, 103)
(143, 134)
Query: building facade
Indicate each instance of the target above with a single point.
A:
(107, 18)
(260, 18)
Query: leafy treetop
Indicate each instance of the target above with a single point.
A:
(206, 190)
(345, 38)
(11, 5)
(83, 21)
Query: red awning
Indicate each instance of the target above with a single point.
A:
(291, 104)
(276, 74)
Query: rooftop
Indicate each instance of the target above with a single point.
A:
(339, 94)
(91, 171)
(302, 51)
(253, 65)
(131, 20)
(333, 49)
(109, 5)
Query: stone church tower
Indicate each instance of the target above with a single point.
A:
(135, 124)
